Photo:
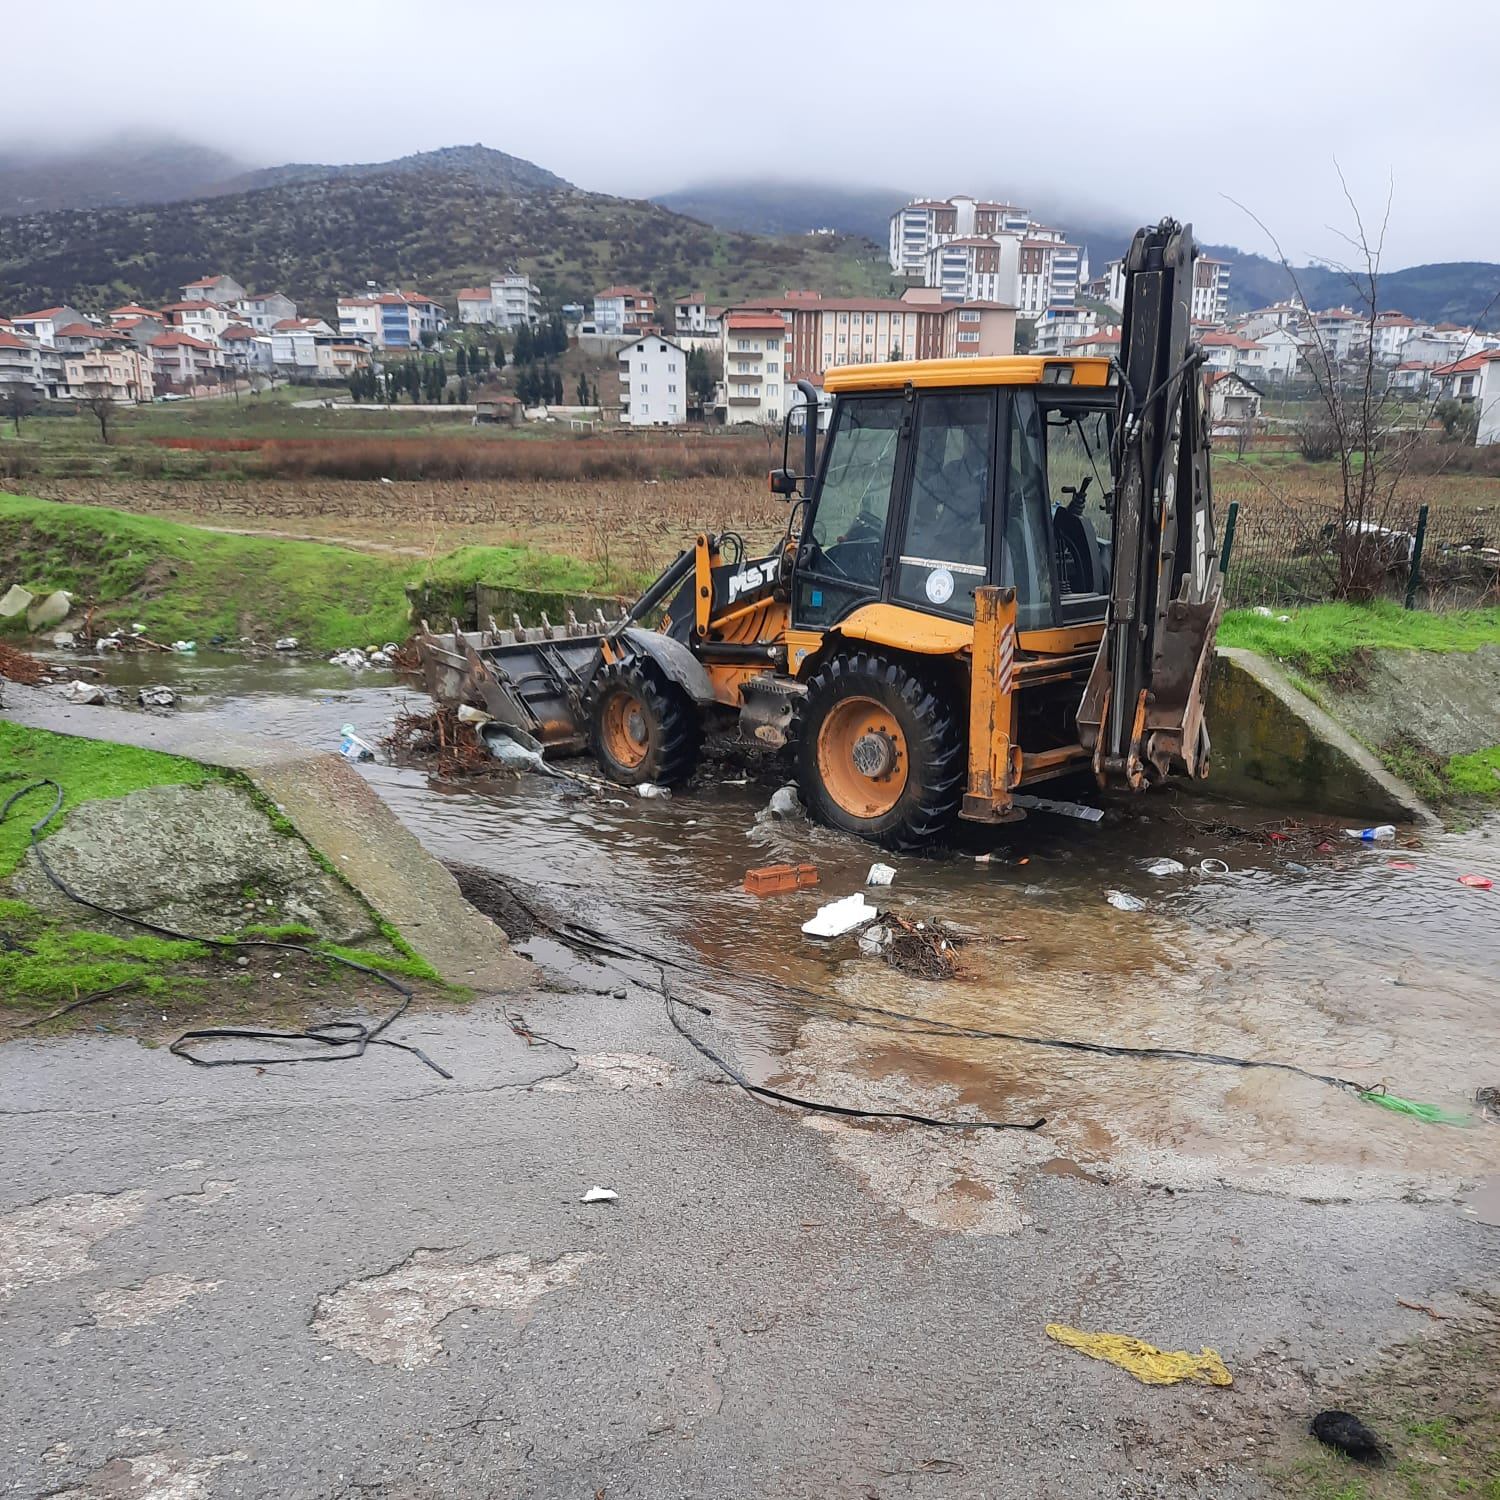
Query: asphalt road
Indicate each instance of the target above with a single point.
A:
(362, 1280)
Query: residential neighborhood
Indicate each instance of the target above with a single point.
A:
(971, 278)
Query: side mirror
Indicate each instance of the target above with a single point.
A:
(783, 482)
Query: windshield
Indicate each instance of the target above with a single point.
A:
(848, 525)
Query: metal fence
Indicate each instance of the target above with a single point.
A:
(1285, 553)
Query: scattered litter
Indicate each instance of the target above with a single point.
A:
(1400, 864)
(1123, 902)
(1476, 882)
(1149, 1365)
(1164, 866)
(649, 789)
(439, 741)
(185, 647)
(983, 859)
(1213, 867)
(468, 714)
(286, 643)
(770, 880)
(600, 1195)
(156, 697)
(1262, 611)
(382, 659)
(64, 640)
(873, 941)
(109, 643)
(1282, 619)
(1342, 1430)
(351, 747)
(52, 610)
(15, 601)
(1381, 833)
(85, 692)
(784, 803)
(880, 874)
(355, 661)
(1067, 809)
(839, 917)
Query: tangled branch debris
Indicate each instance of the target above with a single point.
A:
(438, 741)
(21, 666)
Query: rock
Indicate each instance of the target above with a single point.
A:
(52, 610)
(85, 692)
(156, 697)
(287, 643)
(64, 640)
(15, 601)
(183, 856)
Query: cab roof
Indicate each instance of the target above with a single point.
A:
(1009, 369)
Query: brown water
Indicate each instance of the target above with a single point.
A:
(1332, 960)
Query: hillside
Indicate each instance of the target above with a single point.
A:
(127, 169)
(432, 230)
(480, 164)
(768, 206)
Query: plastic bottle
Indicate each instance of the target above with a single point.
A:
(1382, 833)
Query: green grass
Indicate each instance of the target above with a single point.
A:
(87, 770)
(185, 582)
(1323, 641)
(1476, 775)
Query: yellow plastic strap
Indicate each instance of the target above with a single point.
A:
(1147, 1363)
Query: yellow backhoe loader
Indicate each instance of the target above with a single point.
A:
(995, 573)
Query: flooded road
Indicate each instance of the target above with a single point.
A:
(1370, 963)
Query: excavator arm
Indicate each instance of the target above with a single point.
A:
(1142, 712)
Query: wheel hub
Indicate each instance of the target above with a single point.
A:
(873, 754)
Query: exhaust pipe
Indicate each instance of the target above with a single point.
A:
(810, 433)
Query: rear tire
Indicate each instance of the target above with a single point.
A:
(642, 727)
(880, 752)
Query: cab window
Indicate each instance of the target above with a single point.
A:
(944, 549)
(844, 547)
(1078, 448)
(1026, 553)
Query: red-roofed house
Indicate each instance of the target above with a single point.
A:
(1488, 399)
(262, 311)
(213, 289)
(294, 344)
(1103, 341)
(1232, 400)
(246, 350)
(693, 315)
(390, 320)
(182, 363)
(25, 362)
(79, 338)
(1460, 380)
(43, 325)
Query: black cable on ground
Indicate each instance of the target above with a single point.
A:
(352, 1035)
(575, 934)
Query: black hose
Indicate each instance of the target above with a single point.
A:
(354, 1035)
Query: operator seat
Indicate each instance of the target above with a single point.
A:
(1080, 561)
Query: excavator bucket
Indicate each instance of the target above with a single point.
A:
(529, 678)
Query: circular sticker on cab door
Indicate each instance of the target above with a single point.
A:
(940, 585)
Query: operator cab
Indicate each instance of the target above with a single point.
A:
(938, 477)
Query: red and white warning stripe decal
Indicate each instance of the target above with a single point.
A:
(1007, 658)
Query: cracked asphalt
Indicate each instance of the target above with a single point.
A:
(359, 1280)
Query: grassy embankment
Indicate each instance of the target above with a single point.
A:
(1325, 643)
(185, 582)
(47, 961)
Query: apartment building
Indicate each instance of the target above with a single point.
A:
(262, 311)
(925, 222)
(213, 289)
(972, 268)
(694, 315)
(180, 362)
(199, 317)
(1227, 351)
(26, 362)
(294, 343)
(1046, 276)
(1109, 287)
(390, 320)
(623, 311)
(247, 350)
(1058, 327)
(507, 302)
(1337, 331)
(123, 373)
(1102, 341)
(978, 330)
(653, 381)
(1487, 397)
(1210, 291)
(755, 359)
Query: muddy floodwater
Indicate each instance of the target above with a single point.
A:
(1369, 963)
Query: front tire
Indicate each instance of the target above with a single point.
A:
(642, 727)
(880, 752)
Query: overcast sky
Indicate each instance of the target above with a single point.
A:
(1136, 107)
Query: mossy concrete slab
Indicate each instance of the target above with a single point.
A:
(331, 806)
(1273, 744)
(203, 860)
